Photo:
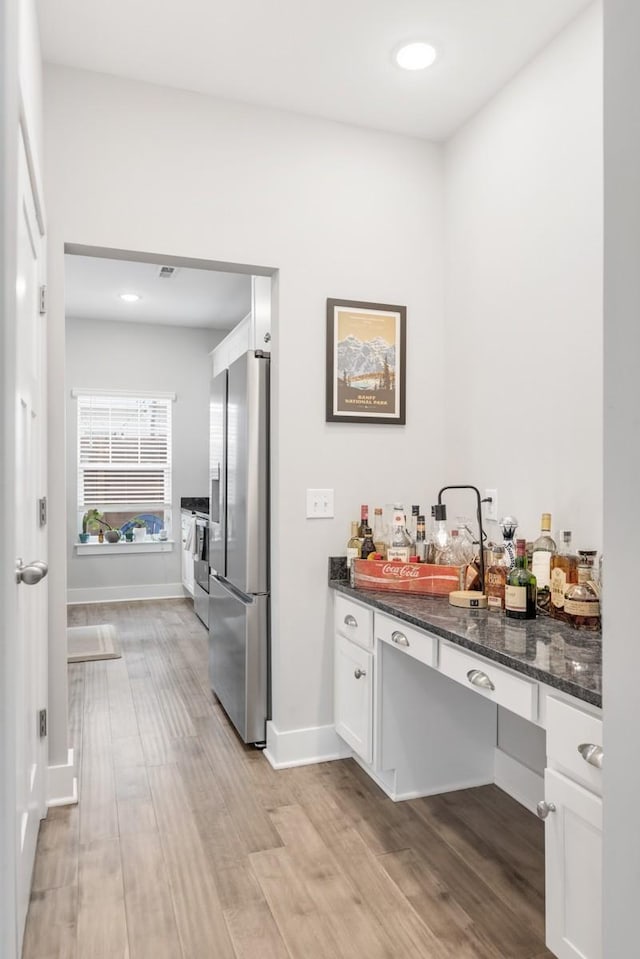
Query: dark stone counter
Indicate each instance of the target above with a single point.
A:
(195, 504)
(543, 648)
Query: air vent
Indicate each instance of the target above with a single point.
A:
(166, 272)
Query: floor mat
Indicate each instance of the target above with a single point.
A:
(86, 643)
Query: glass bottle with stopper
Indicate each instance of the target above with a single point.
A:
(509, 525)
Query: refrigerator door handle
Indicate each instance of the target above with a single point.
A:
(228, 587)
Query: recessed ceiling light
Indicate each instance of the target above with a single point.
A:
(415, 56)
(130, 297)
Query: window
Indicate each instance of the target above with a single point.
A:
(124, 457)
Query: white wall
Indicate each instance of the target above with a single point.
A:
(621, 649)
(140, 356)
(524, 291)
(340, 212)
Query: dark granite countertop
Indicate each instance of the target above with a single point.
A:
(543, 648)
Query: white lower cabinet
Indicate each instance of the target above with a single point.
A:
(353, 696)
(573, 865)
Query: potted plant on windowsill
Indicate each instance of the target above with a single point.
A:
(94, 518)
(139, 529)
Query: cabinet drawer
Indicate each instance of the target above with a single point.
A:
(574, 743)
(514, 692)
(354, 621)
(411, 641)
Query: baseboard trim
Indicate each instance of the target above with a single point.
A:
(62, 783)
(302, 747)
(124, 594)
(516, 779)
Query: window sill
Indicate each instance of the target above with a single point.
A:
(150, 545)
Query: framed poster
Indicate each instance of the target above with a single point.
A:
(366, 361)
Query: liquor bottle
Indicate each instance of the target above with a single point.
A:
(400, 543)
(496, 578)
(520, 589)
(413, 528)
(368, 546)
(466, 548)
(564, 573)
(509, 525)
(543, 549)
(421, 540)
(364, 520)
(353, 550)
(442, 547)
(582, 599)
(378, 532)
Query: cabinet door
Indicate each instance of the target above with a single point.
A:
(353, 706)
(573, 869)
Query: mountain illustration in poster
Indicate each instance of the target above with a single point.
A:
(366, 363)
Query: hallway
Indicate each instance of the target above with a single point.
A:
(187, 845)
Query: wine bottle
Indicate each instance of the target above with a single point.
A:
(368, 546)
(364, 520)
(378, 532)
(520, 589)
(543, 549)
(353, 548)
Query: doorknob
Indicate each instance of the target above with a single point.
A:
(31, 573)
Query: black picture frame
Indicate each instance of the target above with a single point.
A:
(366, 382)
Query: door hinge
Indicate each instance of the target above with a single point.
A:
(42, 510)
(42, 723)
(43, 299)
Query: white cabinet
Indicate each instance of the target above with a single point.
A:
(573, 865)
(187, 554)
(353, 696)
(353, 674)
(573, 831)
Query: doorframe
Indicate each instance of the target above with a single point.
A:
(9, 120)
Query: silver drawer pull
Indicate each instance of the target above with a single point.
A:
(477, 678)
(350, 620)
(544, 808)
(592, 754)
(399, 638)
(359, 672)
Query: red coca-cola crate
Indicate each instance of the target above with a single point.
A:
(397, 577)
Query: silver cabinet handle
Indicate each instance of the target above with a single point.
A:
(592, 754)
(477, 678)
(350, 620)
(544, 808)
(359, 672)
(30, 573)
(399, 638)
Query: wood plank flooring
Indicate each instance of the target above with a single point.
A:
(186, 844)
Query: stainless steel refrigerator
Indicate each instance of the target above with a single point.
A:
(239, 543)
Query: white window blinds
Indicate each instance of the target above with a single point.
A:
(124, 451)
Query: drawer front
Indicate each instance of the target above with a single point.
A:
(354, 621)
(514, 692)
(574, 743)
(411, 641)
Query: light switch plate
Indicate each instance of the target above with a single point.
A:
(319, 503)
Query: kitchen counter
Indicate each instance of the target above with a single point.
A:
(544, 649)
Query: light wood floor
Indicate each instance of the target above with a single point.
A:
(187, 845)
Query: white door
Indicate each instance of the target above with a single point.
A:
(573, 866)
(31, 587)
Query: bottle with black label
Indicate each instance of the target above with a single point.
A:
(368, 546)
(520, 589)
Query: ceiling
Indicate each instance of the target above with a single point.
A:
(200, 298)
(331, 59)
